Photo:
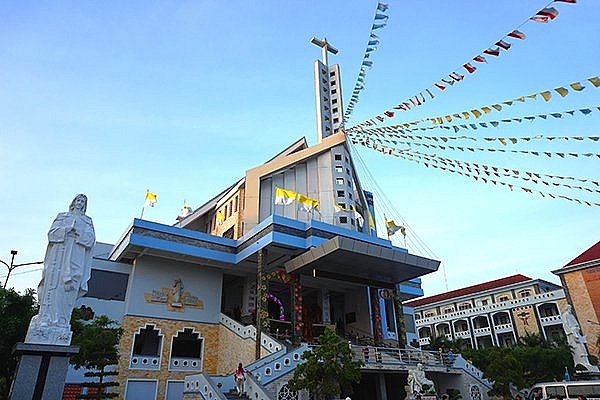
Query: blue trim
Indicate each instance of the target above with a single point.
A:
(232, 255)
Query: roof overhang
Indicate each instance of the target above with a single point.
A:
(352, 260)
(314, 249)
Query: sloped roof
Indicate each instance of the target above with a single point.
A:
(591, 254)
(469, 290)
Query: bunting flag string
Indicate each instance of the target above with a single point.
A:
(379, 21)
(502, 45)
(484, 110)
(546, 95)
(412, 158)
(503, 140)
(549, 154)
(499, 172)
(492, 169)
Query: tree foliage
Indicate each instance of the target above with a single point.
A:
(533, 359)
(16, 311)
(328, 370)
(97, 341)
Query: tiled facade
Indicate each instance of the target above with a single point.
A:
(222, 350)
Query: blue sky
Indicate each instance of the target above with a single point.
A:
(113, 98)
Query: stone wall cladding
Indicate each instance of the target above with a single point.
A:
(581, 298)
(222, 351)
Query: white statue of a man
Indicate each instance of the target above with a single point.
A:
(67, 268)
(576, 340)
(416, 381)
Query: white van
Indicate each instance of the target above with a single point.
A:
(565, 390)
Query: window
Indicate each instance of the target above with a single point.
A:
(230, 208)
(334, 91)
(337, 157)
(339, 169)
(334, 101)
(228, 233)
(524, 293)
(464, 306)
(429, 314)
(343, 205)
(484, 302)
(340, 193)
(350, 196)
(147, 343)
(343, 220)
(352, 221)
(339, 181)
(235, 204)
(335, 110)
(349, 183)
(503, 298)
(448, 310)
(333, 82)
(107, 285)
(186, 349)
(336, 120)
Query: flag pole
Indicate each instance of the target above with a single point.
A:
(142, 214)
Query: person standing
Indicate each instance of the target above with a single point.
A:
(240, 377)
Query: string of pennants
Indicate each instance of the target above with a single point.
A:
(503, 45)
(379, 21)
(384, 145)
(499, 106)
(394, 130)
(503, 140)
(476, 174)
(477, 170)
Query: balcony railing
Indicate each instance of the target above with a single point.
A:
(502, 306)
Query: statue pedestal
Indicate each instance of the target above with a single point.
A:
(41, 371)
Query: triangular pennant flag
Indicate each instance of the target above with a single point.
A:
(562, 91)
(517, 34)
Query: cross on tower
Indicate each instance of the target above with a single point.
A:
(325, 47)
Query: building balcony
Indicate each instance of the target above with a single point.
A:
(492, 308)
(482, 331)
(551, 320)
(424, 341)
(503, 328)
(462, 335)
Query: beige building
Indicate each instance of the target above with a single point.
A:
(494, 313)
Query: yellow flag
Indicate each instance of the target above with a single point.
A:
(150, 200)
(546, 95)
(562, 91)
(284, 197)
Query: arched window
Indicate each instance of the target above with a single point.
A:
(147, 343)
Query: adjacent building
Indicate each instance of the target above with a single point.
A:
(581, 279)
(493, 313)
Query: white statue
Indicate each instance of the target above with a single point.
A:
(416, 381)
(576, 340)
(67, 268)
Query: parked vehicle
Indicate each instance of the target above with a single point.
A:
(565, 390)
